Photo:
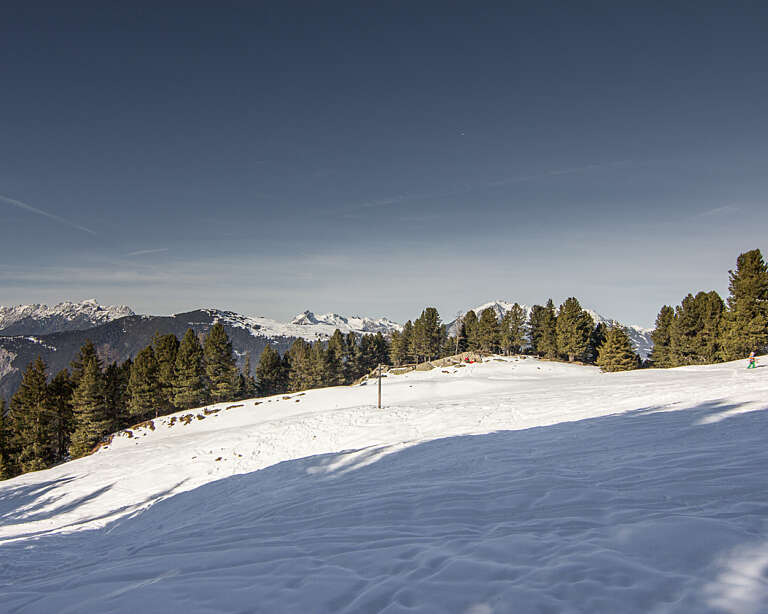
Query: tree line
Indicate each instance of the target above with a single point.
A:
(704, 329)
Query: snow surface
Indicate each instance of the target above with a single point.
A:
(515, 485)
(639, 336)
(88, 313)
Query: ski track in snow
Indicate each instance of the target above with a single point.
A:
(508, 486)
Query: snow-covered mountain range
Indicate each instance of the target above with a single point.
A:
(640, 337)
(39, 319)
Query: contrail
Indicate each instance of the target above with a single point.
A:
(141, 252)
(26, 207)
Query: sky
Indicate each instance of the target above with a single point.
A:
(373, 158)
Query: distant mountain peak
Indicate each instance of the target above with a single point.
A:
(41, 319)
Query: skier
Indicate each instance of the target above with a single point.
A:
(752, 361)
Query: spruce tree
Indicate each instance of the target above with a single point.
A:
(428, 334)
(694, 337)
(711, 311)
(573, 328)
(220, 370)
(247, 382)
(269, 372)
(471, 331)
(89, 408)
(746, 323)
(661, 355)
(166, 347)
(6, 468)
(300, 374)
(336, 348)
(60, 392)
(143, 392)
(380, 349)
(616, 353)
(188, 373)
(596, 339)
(543, 329)
(319, 368)
(397, 349)
(87, 353)
(488, 331)
(516, 329)
(407, 356)
(115, 397)
(33, 420)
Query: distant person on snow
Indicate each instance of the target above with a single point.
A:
(752, 361)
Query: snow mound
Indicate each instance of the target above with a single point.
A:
(506, 486)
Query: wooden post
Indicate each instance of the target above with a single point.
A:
(379, 385)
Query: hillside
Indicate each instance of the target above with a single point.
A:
(512, 485)
(67, 316)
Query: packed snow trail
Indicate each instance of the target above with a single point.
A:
(644, 492)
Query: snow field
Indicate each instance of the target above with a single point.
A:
(640, 492)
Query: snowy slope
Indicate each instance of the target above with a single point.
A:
(638, 492)
(640, 337)
(43, 319)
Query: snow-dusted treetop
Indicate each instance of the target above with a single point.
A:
(62, 316)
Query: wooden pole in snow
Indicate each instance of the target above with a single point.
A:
(379, 385)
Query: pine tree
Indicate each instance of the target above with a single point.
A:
(488, 331)
(299, 376)
(513, 329)
(247, 382)
(573, 328)
(188, 373)
(87, 353)
(543, 327)
(32, 420)
(166, 347)
(220, 369)
(616, 353)
(6, 467)
(397, 348)
(115, 397)
(471, 331)
(596, 339)
(60, 392)
(408, 342)
(143, 392)
(746, 325)
(428, 334)
(661, 355)
(336, 359)
(319, 374)
(89, 408)
(380, 350)
(694, 332)
(711, 311)
(269, 372)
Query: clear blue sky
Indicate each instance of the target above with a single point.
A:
(374, 158)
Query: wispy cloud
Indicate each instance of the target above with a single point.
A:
(725, 210)
(20, 205)
(470, 187)
(143, 252)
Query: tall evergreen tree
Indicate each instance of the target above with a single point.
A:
(166, 347)
(144, 397)
(188, 373)
(336, 359)
(488, 330)
(573, 328)
(299, 376)
(220, 369)
(711, 311)
(115, 397)
(543, 330)
(269, 372)
(380, 350)
(694, 332)
(33, 420)
(428, 334)
(89, 408)
(249, 388)
(6, 467)
(616, 353)
(87, 353)
(596, 339)
(471, 331)
(516, 328)
(60, 392)
(746, 324)
(408, 342)
(661, 355)
(397, 349)
(319, 368)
